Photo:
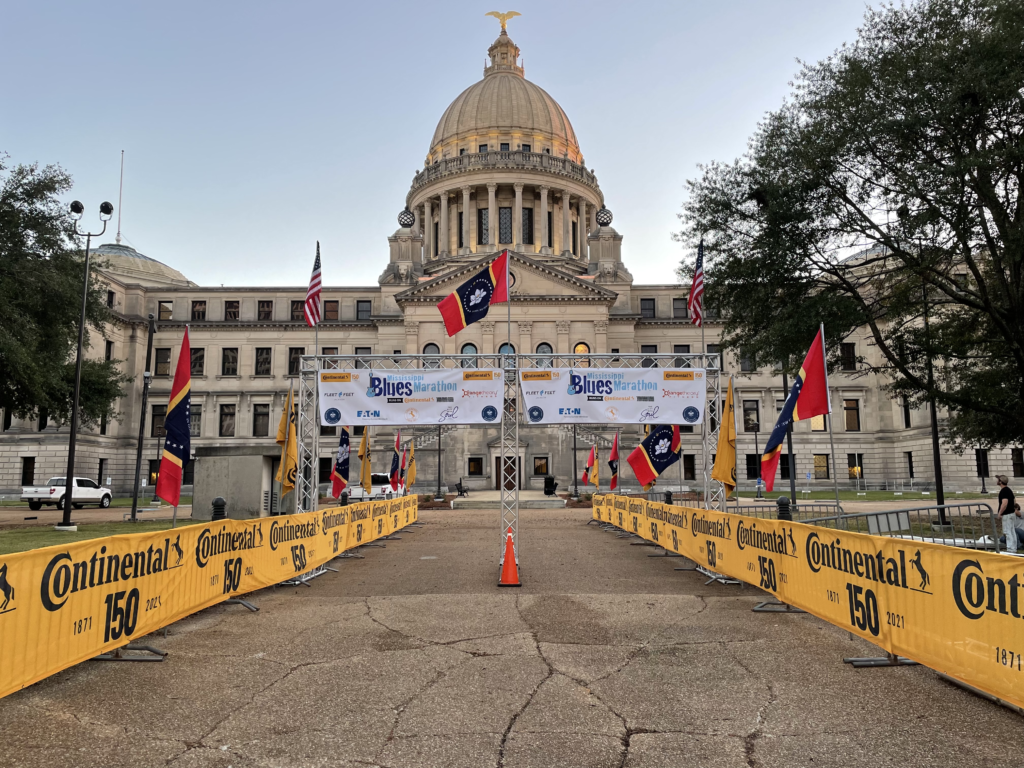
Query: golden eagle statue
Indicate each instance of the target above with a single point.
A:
(503, 17)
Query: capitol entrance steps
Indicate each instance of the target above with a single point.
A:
(492, 500)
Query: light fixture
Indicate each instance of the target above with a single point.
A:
(77, 209)
(106, 211)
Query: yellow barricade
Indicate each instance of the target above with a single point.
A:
(957, 611)
(65, 604)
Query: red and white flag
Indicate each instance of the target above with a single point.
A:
(312, 307)
(694, 303)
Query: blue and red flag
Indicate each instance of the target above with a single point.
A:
(177, 423)
(471, 300)
(394, 475)
(808, 398)
(658, 451)
(339, 476)
(613, 463)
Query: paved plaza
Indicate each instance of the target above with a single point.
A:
(412, 658)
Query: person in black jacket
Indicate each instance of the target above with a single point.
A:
(1006, 512)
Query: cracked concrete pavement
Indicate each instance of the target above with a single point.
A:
(412, 658)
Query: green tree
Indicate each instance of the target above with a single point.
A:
(885, 188)
(41, 271)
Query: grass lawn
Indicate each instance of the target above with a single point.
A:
(825, 494)
(23, 539)
(126, 501)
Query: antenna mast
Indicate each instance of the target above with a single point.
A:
(120, 190)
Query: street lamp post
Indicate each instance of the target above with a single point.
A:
(438, 496)
(77, 209)
(757, 452)
(147, 377)
(575, 486)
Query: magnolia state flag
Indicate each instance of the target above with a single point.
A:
(471, 300)
(658, 451)
(339, 477)
(177, 422)
(394, 475)
(613, 463)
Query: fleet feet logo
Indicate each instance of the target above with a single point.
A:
(7, 589)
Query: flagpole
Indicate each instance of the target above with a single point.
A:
(704, 422)
(831, 443)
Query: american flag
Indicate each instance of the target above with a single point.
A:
(312, 308)
(697, 289)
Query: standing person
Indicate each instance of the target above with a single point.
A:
(1006, 513)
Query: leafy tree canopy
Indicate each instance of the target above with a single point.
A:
(885, 191)
(41, 271)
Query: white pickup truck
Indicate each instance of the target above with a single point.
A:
(86, 491)
(380, 486)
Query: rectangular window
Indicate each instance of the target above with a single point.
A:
(298, 310)
(195, 421)
(503, 147)
(110, 299)
(649, 349)
(103, 424)
(229, 361)
(188, 473)
(475, 467)
(294, 359)
(260, 420)
(156, 424)
(8, 419)
(851, 411)
(364, 309)
(981, 460)
(753, 464)
(818, 424)
(263, 361)
(1017, 459)
(906, 413)
(821, 466)
(363, 351)
(198, 361)
(330, 431)
(230, 310)
(265, 311)
(505, 225)
(108, 351)
(680, 311)
(680, 349)
(747, 362)
(527, 226)
(574, 251)
(198, 310)
(527, 148)
(227, 421)
(331, 310)
(716, 349)
(328, 350)
(689, 467)
(855, 465)
(482, 148)
(848, 356)
(751, 416)
(28, 470)
(44, 419)
(357, 431)
(540, 465)
(910, 463)
(462, 152)
(462, 243)
(784, 466)
(326, 467)
(154, 471)
(101, 471)
(163, 362)
(164, 310)
(551, 229)
(647, 308)
(482, 231)
(437, 237)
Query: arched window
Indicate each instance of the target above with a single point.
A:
(544, 349)
(432, 349)
(581, 348)
(509, 351)
(469, 349)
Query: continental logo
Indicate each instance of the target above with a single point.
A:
(336, 377)
(211, 544)
(975, 593)
(677, 519)
(359, 514)
(333, 518)
(678, 376)
(478, 375)
(768, 541)
(281, 533)
(703, 526)
(64, 576)
(873, 567)
(536, 376)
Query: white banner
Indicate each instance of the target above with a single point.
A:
(614, 395)
(460, 396)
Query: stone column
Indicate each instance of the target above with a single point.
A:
(562, 345)
(525, 346)
(412, 337)
(517, 218)
(488, 330)
(445, 240)
(428, 230)
(593, 218)
(467, 246)
(582, 229)
(566, 225)
(492, 215)
(601, 329)
(544, 220)
(416, 221)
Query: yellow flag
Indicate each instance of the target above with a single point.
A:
(410, 472)
(286, 438)
(365, 478)
(597, 462)
(725, 462)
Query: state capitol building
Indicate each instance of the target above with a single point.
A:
(503, 170)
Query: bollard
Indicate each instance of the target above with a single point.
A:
(668, 497)
(344, 498)
(784, 513)
(218, 505)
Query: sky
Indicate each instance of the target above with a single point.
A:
(252, 130)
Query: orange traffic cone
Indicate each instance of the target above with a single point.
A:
(509, 571)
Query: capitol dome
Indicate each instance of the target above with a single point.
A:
(129, 265)
(504, 108)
